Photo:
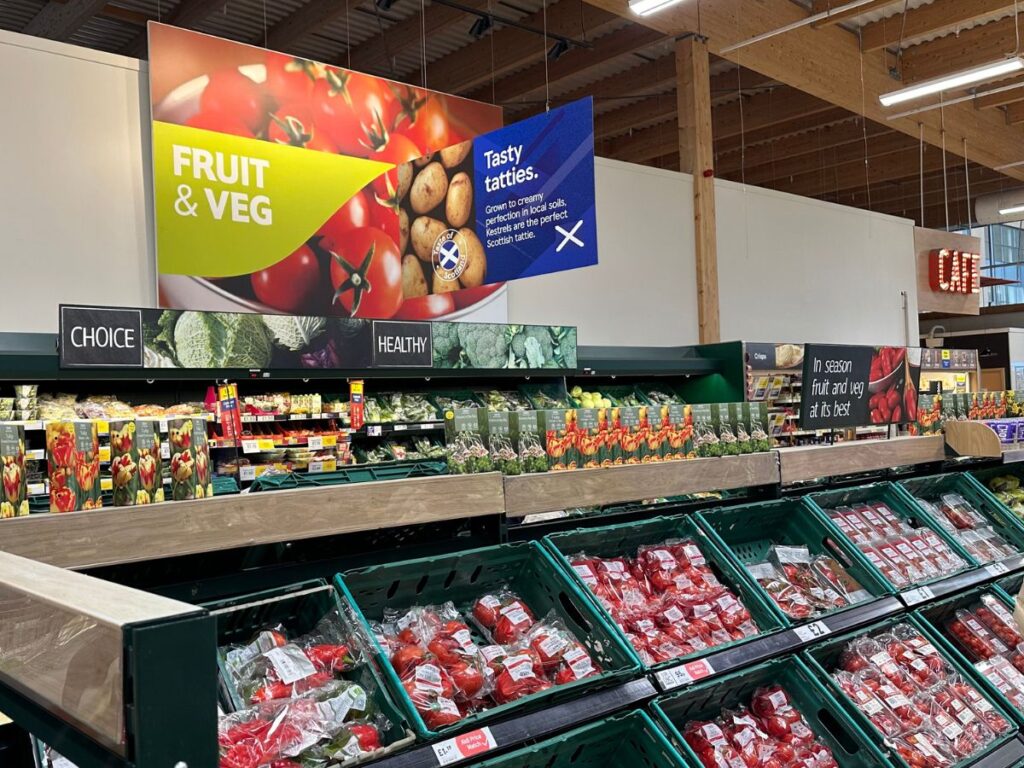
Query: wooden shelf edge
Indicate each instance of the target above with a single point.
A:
(130, 534)
(529, 494)
(972, 438)
(809, 462)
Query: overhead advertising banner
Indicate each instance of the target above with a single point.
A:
(285, 185)
(852, 386)
(169, 338)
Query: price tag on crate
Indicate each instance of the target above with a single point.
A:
(248, 419)
(163, 425)
(464, 746)
(265, 417)
(918, 595)
(998, 568)
(104, 453)
(246, 473)
(373, 430)
(165, 450)
(315, 443)
(330, 441)
(684, 674)
(327, 465)
(812, 631)
(426, 425)
(250, 446)
(102, 427)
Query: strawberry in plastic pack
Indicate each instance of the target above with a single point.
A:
(915, 699)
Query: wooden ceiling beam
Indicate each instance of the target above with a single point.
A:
(840, 15)
(800, 126)
(470, 67)
(828, 158)
(1003, 97)
(937, 18)
(856, 173)
(971, 48)
(786, 147)
(188, 13)
(829, 64)
(529, 83)
(642, 145)
(765, 110)
(907, 191)
(296, 25)
(1015, 113)
(59, 21)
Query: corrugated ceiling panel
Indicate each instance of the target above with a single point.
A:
(15, 14)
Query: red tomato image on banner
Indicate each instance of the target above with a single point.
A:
(245, 91)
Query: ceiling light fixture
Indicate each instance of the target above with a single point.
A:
(647, 7)
(953, 81)
(1014, 209)
(558, 50)
(480, 27)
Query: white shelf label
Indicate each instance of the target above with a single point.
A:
(247, 473)
(400, 427)
(163, 425)
(248, 419)
(684, 674)
(315, 443)
(812, 631)
(997, 569)
(427, 426)
(918, 595)
(36, 453)
(297, 416)
(373, 430)
(250, 446)
(464, 746)
(165, 450)
(265, 417)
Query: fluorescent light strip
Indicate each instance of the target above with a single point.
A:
(953, 81)
(1014, 209)
(647, 7)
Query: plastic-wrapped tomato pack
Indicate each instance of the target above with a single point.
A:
(987, 634)
(965, 524)
(915, 699)
(666, 600)
(452, 666)
(770, 733)
(298, 708)
(903, 554)
(803, 585)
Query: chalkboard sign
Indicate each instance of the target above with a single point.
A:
(835, 386)
(398, 344)
(100, 337)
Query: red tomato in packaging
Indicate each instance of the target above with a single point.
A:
(366, 272)
(229, 92)
(407, 657)
(291, 284)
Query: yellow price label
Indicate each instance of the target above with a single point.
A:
(265, 444)
(104, 453)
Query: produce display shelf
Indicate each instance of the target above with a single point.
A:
(535, 725)
(251, 418)
(962, 581)
(767, 647)
(552, 491)
(259, 444)
(103, 425)
(397, 428)
(809, 462)
(1013, 455)
(113, 535)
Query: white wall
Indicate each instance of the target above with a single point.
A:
(642, 290)
(796, 269)
(76, 226)
(75, 193)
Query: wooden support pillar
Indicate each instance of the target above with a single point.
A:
(696, 157)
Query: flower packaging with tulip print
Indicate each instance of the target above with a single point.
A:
(124, 463)
(204, 483)
(150, 488)
(183, 458)
(73, 462)
(14, 502)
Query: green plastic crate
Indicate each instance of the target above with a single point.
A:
(624, 538)
(529, 571)
(627, 739)
(850, 745)
(354, 474)
(823, 658)
(985, 477)
(298, 608)
(900, 503)
(937, 614)
(999, 517)
(746, 533)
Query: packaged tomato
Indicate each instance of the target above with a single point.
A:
(712, 747)
(627, 588)
(974, 637)
(961, 743)
(962, 713)
(923, 749)
(795, 565)
(893, 522)
(734, 615)
(981, 706)
(959, 512)
(432, 692)
(895, 576)
(521, 674)
(576, 664)
(838, 516)
(924, 566)
(947, 560)
(925, 669)
(830, 572)
(879, 529)
(863, 696)
(908, 570)
(743, 731)
(453, 647)
(994, 614)
(1005, 677)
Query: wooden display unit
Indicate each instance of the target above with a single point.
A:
(803, 463)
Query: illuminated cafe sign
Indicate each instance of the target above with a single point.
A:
(954, 271)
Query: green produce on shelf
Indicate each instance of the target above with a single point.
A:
(532, 454)
(446, 403)
(504, 456)
(658, 397)
(399, 407)
(505, 401)
(544, 400)
(467, 455)
(590, 399)
(707, 442)
(1007, 489)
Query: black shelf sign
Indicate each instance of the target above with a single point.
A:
(100, 337)
(401, 344)
(835, 391)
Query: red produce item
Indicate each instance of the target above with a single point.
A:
(864, 698)
(521, 675)
(997, 617)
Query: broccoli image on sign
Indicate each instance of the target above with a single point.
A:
(491, 345)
